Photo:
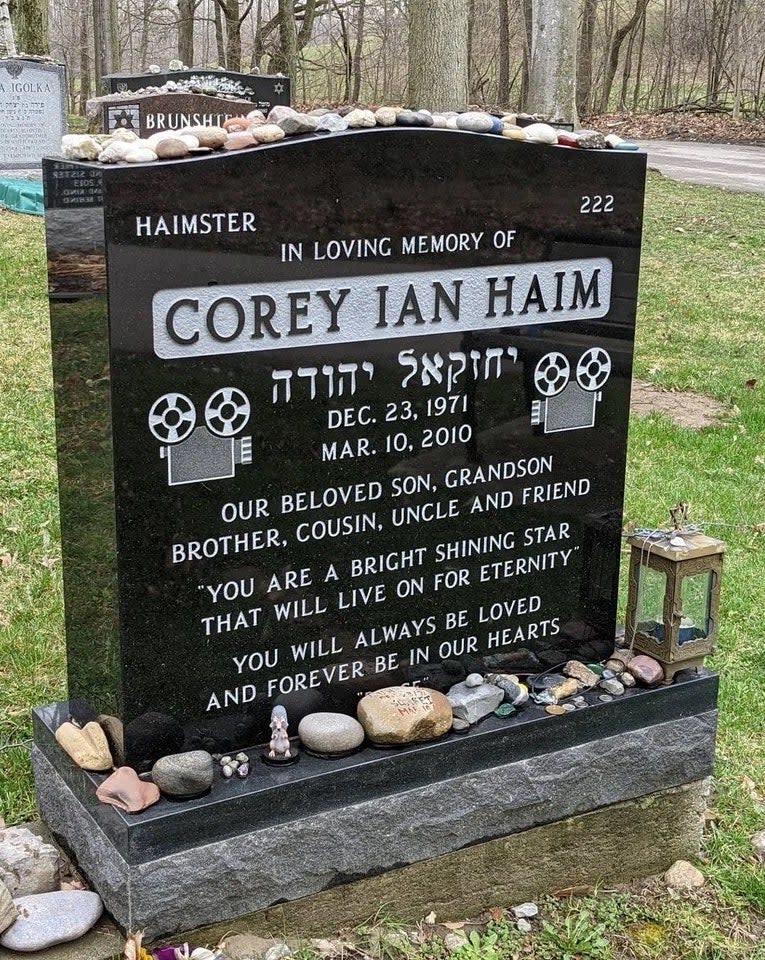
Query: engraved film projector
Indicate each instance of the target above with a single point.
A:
(199, 454)
(569, 404)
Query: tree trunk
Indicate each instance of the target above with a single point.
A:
(186, 10)
(84, 62)
(219, 44)
(584, 60)
(552, 80)
(7, 41)
(503, 54)
(30, 23)
(285, 58)
(358, 53)
(438, 66)
(613, 56)
(528, 16)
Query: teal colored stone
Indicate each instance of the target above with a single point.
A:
(596, 668)
(505, 710)
(626, 145)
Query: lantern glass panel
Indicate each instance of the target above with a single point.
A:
(696, 599)
(652, 589)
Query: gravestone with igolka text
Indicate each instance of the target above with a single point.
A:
(32, 111)
(366, 431)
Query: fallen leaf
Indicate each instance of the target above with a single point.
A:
(431, 917)
(496, 913)
(6, 560)
(453, 926)
(49, 562)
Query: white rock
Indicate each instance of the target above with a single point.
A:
(27, 864)
(116, 151)
(439, 120)
(385, 116)
(454, 941)
(128, 136)
(331, 123)
(541, 133)
(475, 122)
(523, 925)
(330, 732)
(278, 952)
(77, 146)
(525, 910)
(51, 918)
(141, 155)
(473, 680)
(191, 141)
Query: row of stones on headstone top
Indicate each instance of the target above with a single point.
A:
(37, 909)
(254, 129)
(392, 716)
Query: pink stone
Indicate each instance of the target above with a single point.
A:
(646, 670)
(234, 124)
(239, 141)
(566, 139)
(125, 789)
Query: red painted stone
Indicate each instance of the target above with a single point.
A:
(566, 139)
(646, 670)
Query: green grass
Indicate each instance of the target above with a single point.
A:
(700, 328)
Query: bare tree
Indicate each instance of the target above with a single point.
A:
(552, 79)
(30, 24)
(7, 40)
(438, 62)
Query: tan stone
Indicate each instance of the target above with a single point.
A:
(386, 116)
(568, 688)
(684, 876)
(171, 148)
(8, 911)
(87, 746)
(267, 133)
(212, 137)
(240, 140)
(404, 715)
(578, 671)
(125, 789)
(513, 133)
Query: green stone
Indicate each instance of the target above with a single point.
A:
(505, 710)
(596, 668)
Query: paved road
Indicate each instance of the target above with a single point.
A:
(712, 164)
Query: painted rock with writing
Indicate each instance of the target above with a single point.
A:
(399, 715)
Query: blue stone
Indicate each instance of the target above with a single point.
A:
(496, 125)
(626, 145)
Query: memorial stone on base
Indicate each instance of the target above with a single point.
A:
(32, 112)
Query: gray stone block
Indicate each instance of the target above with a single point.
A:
(283, 862)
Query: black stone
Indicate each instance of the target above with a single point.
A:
(151, 736)
(146, 503)
(266, 91)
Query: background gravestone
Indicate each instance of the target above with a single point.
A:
(170, 111)
(264, 91)
(32, 112)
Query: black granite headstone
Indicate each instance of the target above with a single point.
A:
(263, 90)
(363, 431)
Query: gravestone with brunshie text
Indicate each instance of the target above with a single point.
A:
(32, 111)
(163, 112)
(365, 431)
(263, 90)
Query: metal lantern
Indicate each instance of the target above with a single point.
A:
(674, 595)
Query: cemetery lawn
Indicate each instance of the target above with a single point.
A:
(700, 329)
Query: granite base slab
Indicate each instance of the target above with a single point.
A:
(259, 867)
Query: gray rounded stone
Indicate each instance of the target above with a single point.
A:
(28, 865)
(184, 774)
(8, 912)
(331, 123)
(473, 680)
(330, 733)
(475, 122)
(50, 918)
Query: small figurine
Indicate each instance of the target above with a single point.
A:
(279, 749)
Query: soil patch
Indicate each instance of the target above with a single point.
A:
(693, 125)
(690, 410)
